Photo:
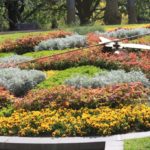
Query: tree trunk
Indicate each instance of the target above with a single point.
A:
(54, 24)
(112, 15)
(70, 11)
(85, 10)
(11, 7)
(131, 7)
(14, 10)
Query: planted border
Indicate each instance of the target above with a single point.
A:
(27, 43)
(84, 122)
(70, 97)
(94, 56)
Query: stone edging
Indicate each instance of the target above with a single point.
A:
(81, 143)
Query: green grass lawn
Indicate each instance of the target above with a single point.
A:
(16, 35)
(137, 144)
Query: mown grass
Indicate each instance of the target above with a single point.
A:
(137, 144)
(16, 35)
(59, 77)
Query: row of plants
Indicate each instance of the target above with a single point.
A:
(94, 56)
(110, 78)
(19, 82)
(83, 122)
(27, 43)
(73, 41)
(114, 96)
(125, 32)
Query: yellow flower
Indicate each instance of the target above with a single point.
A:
(50, 73)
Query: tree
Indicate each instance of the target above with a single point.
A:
(14, 10)
(70, 11)
(85, 10)
(24, 11)
(143, 13)
(112, 14)
(131, 8)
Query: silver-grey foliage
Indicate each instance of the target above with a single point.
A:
(20, 81)
(110, 78)
(12, 60)
(62, 43)
(124, 33)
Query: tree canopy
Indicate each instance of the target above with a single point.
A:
(54, 12)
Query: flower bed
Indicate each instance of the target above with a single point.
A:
(99, 104)
(27, 43)
(84, 122)
(94, 56)
(70, 97)
(60, 76)
(5, 98)
(142, 40)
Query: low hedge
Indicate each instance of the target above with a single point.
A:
(84, 122)
(70, 97)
